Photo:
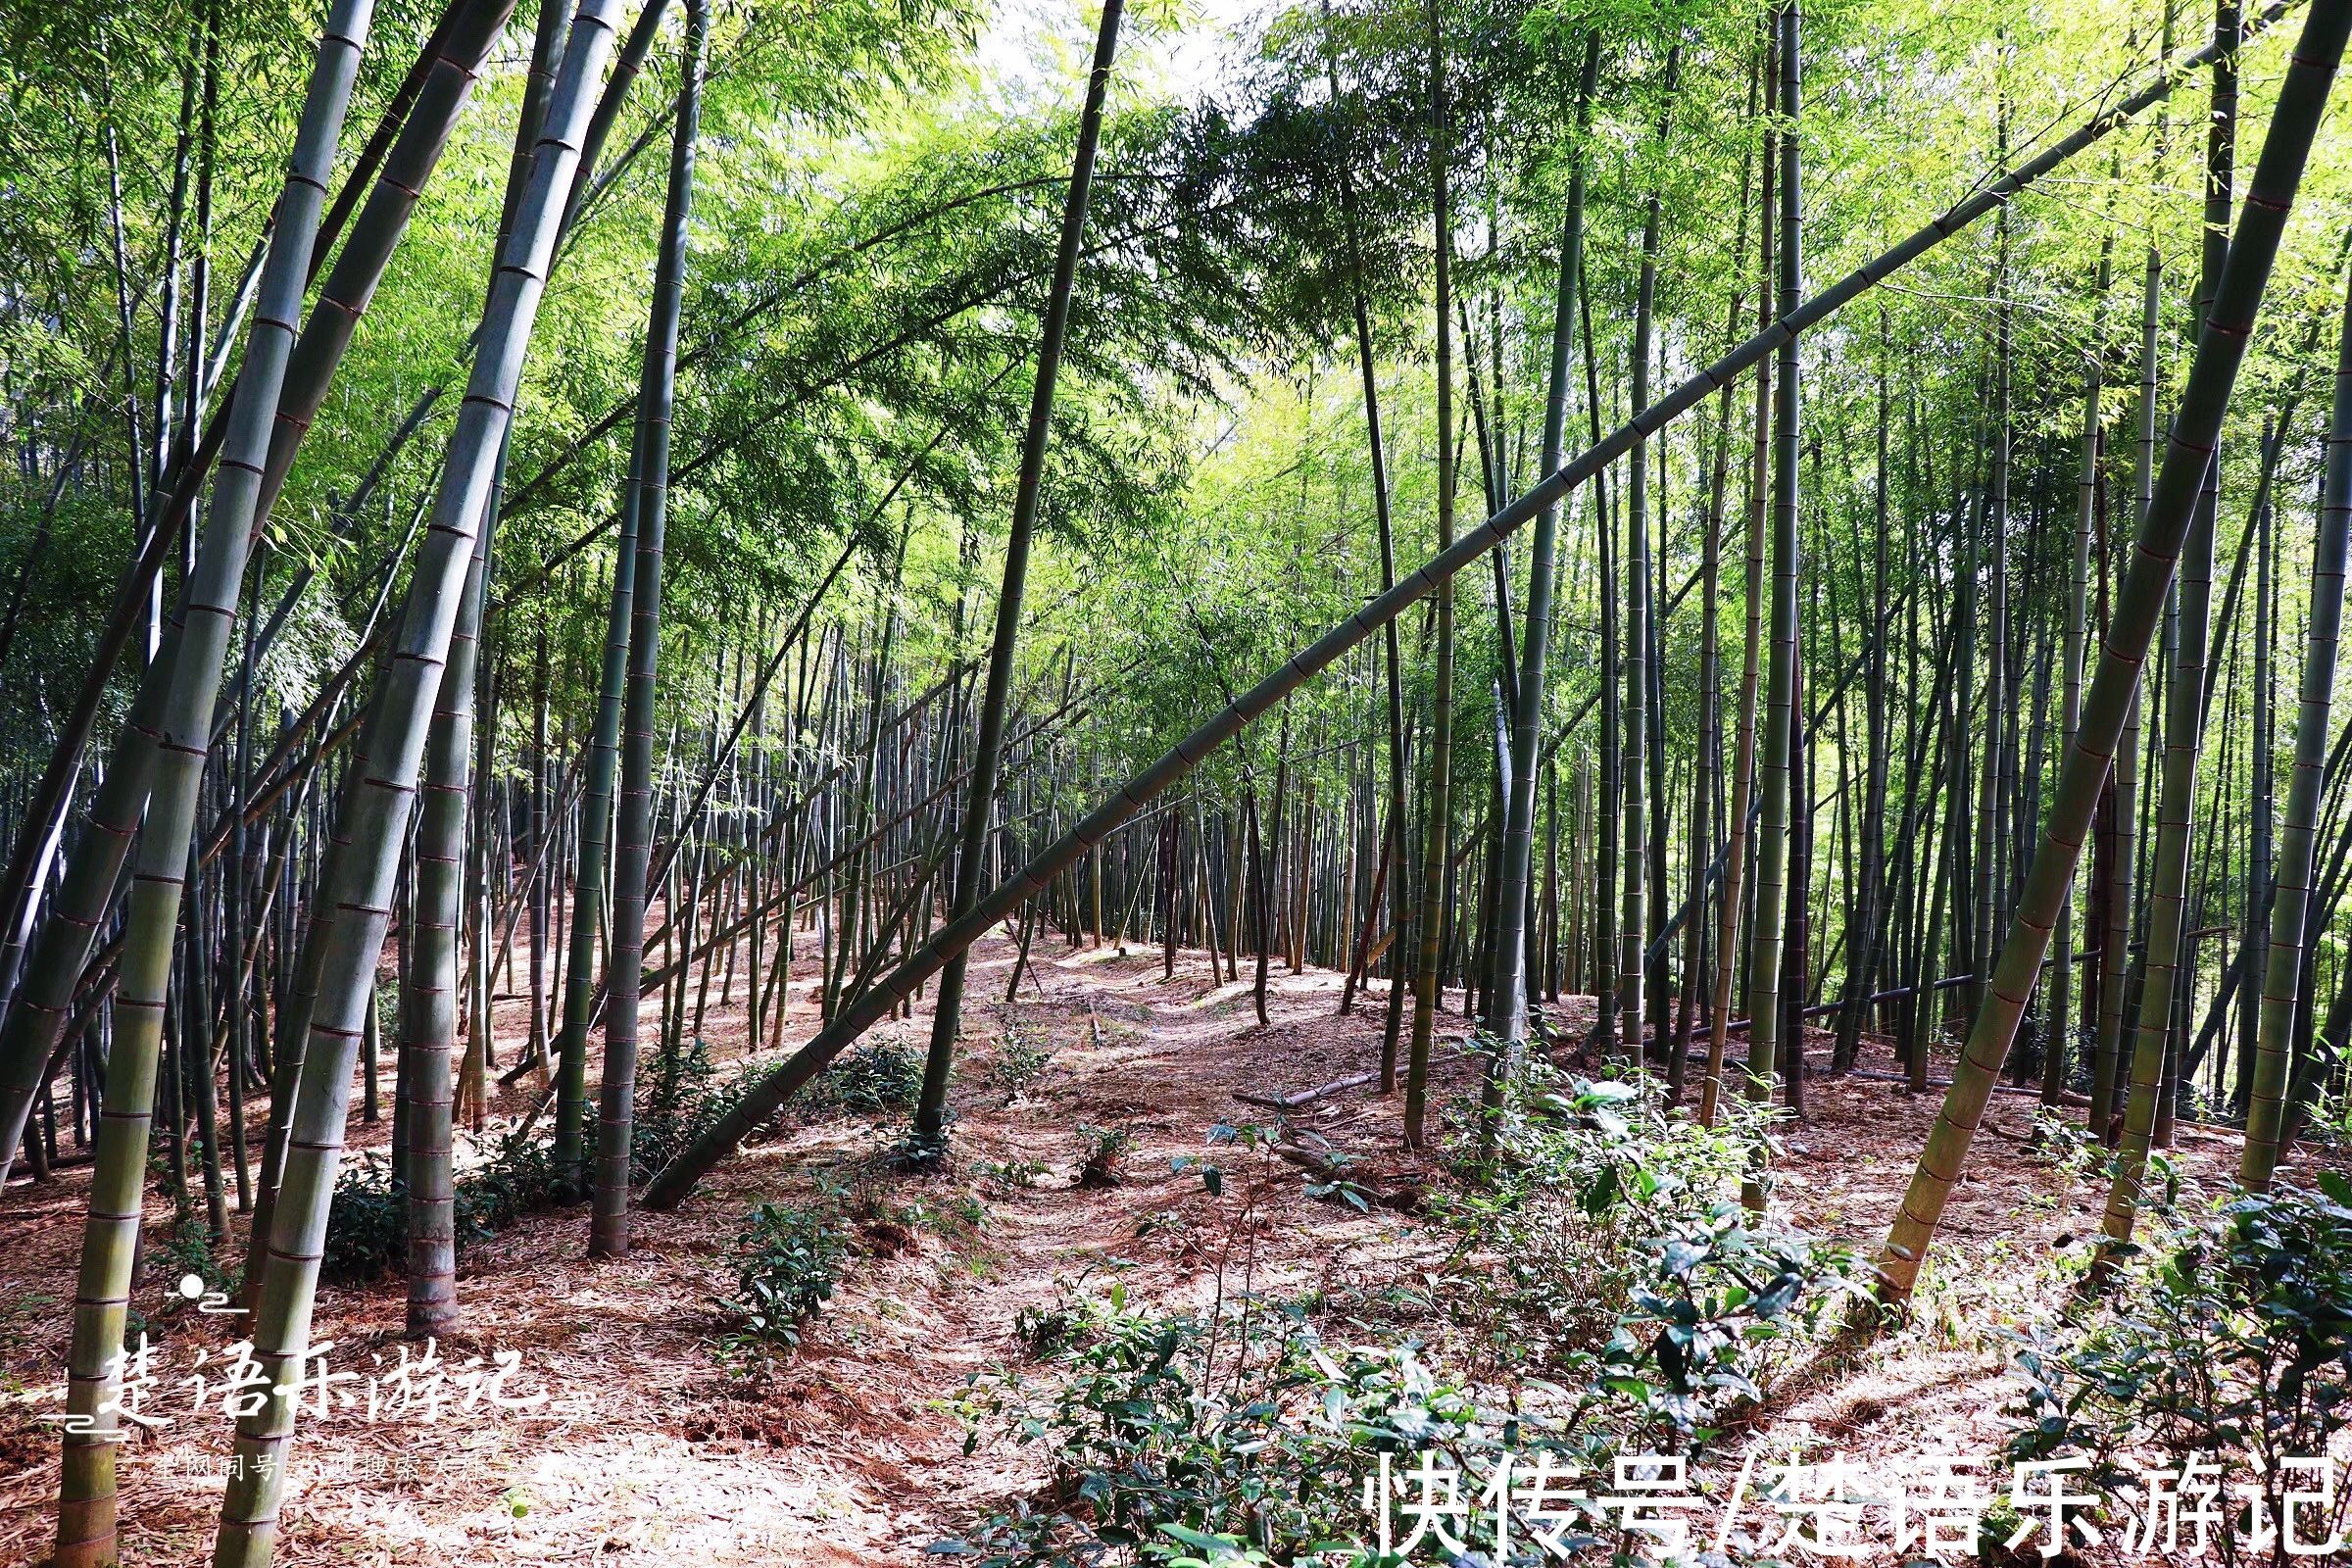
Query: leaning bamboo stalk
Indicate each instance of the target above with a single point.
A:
(780, 1084)
(2122, 830)
(2070, 700)
(359, 265)
(1645, 783)
(85, 1525)
(2292, 901)
(1391, 842)
(2166, 953)
(38, 1015)
(2197, 429)
(930, 1117)
(384, 784)
(2189, 634)
(2221, 169)
(191, 459)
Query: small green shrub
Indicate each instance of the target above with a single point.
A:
(966, 1212)
(1616, 1297)
(1103, 1149)
(1045, 1330)
(366, 1222)
(2231, 1346)
(1020, 1062)
(685, 1095)
(188, 1250)
(185, 1252)
(787, 1261)
(1013, 1175)
(1231, 1433)
(2066, 1144)
(875, 1079)
(1608, 1240)
(519, 1178)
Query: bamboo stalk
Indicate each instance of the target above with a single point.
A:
(380, 795)
(609, 1226)
(2282, 992)
(86, 1525)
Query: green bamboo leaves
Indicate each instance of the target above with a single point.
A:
(763, 1095)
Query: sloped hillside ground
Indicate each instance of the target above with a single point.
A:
(642, 1447)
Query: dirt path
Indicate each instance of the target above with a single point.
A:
(645, 1451)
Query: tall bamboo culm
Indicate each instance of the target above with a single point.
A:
(376, 813)
(1779, 713)
(609, 1225)
(2292, 899)
(1438, 798)
(931, 1108)
(85, 1525)
(429, 1011)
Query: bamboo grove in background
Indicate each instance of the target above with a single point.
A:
(653, 648)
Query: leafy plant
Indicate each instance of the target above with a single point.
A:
(366, 1230)
(521, 1177)
(2233, 1346)
(875, 1078)
(1020, 1062)
(685, 1096)
(1609, 1247)
(1335, 1184)
(2067, 1144)
(1013, 1174)
(1207, 1438)
(188, 1250)
(1105, 1147)
(787, 1261)
(1606, 1239)
(366, 1222)
(186, 1253)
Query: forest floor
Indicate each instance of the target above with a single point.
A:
(645, 1451)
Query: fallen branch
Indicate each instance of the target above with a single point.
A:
(1307, 1097)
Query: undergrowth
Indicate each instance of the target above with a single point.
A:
(787, 1259)
(366, 1228)
(2218, 1377)
(1607, 1299)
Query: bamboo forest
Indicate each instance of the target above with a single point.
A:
(1204, 782)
